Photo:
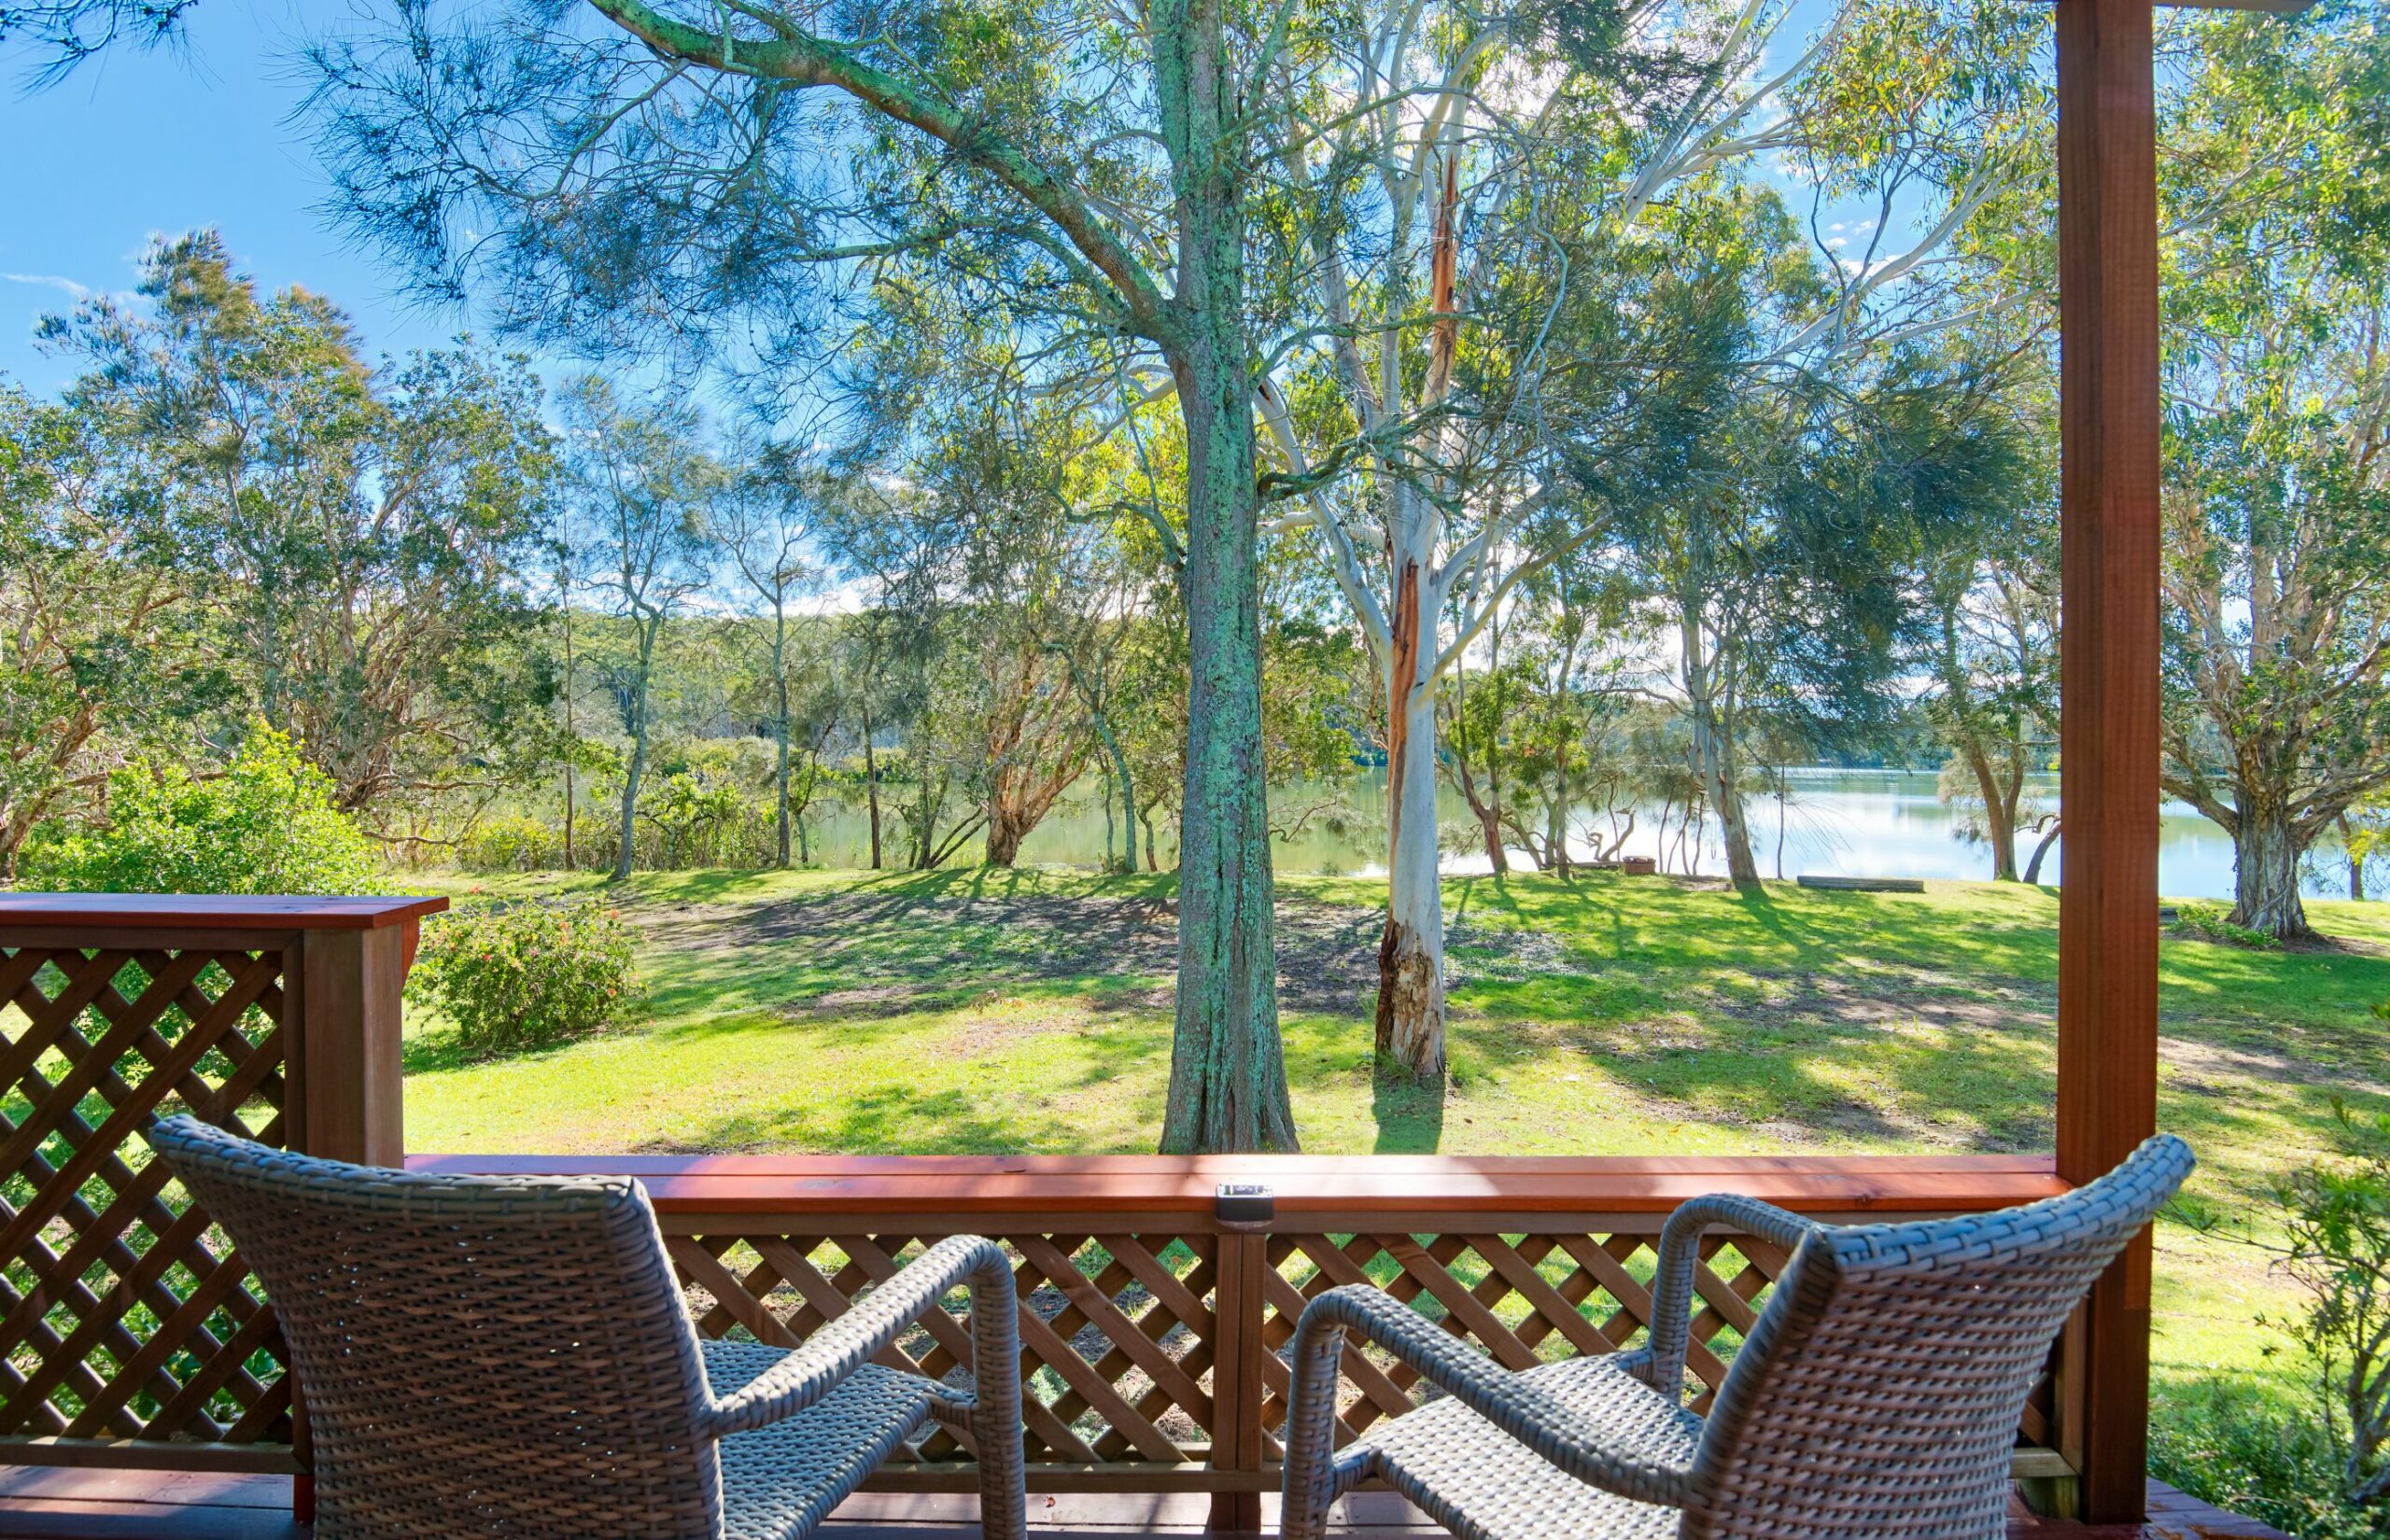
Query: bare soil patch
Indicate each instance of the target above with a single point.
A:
(903, 950)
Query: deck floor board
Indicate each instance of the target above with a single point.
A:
(61, 1503)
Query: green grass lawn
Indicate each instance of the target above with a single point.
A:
(1030, 1012)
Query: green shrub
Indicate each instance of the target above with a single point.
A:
(2251, 1451)
(513, 843)
(2212, 923)
(267, 825)
(2336, 1219)
(526, 976)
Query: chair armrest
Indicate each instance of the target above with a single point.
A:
(1680, 1250)
(1519, 1408)
(846, 1344)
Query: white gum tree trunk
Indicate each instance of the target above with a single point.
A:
(1410, 952)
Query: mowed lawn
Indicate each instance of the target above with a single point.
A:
(1031, 1011)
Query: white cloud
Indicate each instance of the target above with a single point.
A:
(72, 289)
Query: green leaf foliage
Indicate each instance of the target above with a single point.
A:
(266, 825)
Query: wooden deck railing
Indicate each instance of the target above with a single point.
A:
(1152, 1317)
(132, 1334)
(1152, 1324)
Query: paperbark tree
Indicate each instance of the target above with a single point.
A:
(100, 652)
(685, 162)
(2277, 577)
(1990, 643)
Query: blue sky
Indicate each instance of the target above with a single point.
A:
(136, 144)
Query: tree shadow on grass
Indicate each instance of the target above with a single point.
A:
(895, 1119)
(1410, 1116)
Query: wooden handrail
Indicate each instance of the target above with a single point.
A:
(1387, 1186)
(217, 911)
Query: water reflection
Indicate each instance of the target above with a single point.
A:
(1840, 822)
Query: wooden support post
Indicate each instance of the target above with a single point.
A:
(1236, 1376)
(346, 1049)
(2107, 993)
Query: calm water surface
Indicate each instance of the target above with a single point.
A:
(1840, 822)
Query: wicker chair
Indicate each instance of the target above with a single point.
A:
(1878, 1395)
(488, 1356)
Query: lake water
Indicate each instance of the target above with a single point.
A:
(1838, 822)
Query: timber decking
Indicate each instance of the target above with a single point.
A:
(37, 1503)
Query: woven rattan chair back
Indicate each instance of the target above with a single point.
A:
(478, 1355)
(1879, 1393)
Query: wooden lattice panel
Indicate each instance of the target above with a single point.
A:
(127, 1315)
(1118, 1332)
(1523, 1299)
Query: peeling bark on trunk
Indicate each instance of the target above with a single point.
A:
(1005, 836)
(2264, 874)
(1411, 955)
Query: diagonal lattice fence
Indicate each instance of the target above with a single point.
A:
(128, 1317)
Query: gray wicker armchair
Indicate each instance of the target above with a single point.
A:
(487, 1356)
(1878, 1395)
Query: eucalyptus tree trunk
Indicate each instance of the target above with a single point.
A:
(780, 685)
(1410, 950)
(2000, 795)
(647, 629)
(1713, 752)
(1228, 1074)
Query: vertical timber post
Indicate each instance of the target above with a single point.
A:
(1242, 1213)
(347, 1044)
(2108, 992)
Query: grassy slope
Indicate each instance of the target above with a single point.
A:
(1029, 1010)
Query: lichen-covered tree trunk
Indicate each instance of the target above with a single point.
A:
(2265, 870)
(1227, 1072)
(1411, 951)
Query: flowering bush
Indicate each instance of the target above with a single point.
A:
(526, 975)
